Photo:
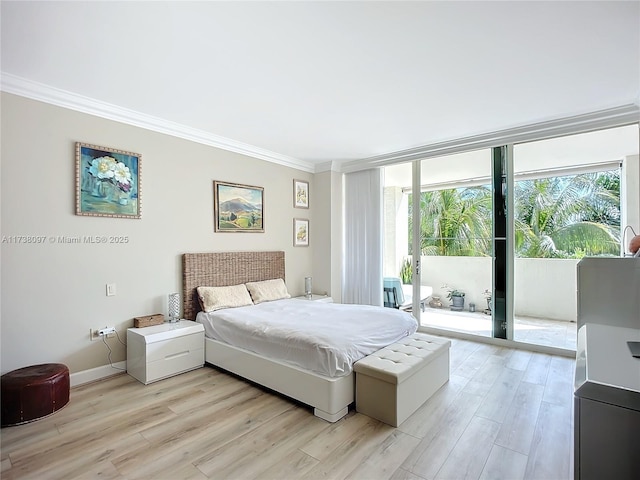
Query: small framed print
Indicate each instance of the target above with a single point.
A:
(300, 194)
(300, 232)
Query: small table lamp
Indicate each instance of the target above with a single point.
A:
(308, 287)
(174, 307)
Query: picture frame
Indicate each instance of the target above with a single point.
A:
(237, 207)
(108, 182)
(300, 194)
(300, 232)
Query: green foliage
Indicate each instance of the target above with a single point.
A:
(406, 275)
(453, 292)
(556, 217)
(455, 222)
(568, 217)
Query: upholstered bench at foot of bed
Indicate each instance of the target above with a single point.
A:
(392, 383)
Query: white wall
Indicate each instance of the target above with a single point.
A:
(53, 293)
(547, 288)
(631, 196)
(327, 256)
(544, 288)
(395, 230)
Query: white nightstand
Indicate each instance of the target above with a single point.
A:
(317, 298)
(161, 351)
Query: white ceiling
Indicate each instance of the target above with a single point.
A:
(309, 82)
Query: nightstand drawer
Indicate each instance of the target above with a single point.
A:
(175, 347)
(160, 351)
(174, 363)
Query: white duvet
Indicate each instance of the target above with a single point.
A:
(326, 338)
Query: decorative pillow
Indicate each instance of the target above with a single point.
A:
(268, 290)
(215, 298)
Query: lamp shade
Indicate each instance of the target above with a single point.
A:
(634, 244)
(173, 309)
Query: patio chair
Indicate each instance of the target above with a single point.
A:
(401, 296)
(391, 297)
(393, 293)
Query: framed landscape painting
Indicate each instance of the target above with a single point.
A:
(238, 208)
(107, 182)
(300, 232)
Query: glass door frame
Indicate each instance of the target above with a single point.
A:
(502, 181)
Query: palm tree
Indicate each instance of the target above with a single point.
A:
(455, 221)
(557, 217)
(561, 217)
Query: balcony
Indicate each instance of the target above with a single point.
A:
(545, 304)
(532, 330)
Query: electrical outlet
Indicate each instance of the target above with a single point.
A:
(106, 331)
(99, 333)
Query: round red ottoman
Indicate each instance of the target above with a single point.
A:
(34, 392)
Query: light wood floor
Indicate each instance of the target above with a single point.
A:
(505, 414)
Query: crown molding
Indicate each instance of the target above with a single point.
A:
(37, 91)
(601, 119)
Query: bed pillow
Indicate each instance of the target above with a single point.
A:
(268, 290)
(215, 298)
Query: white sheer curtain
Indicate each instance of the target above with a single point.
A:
(362, 277)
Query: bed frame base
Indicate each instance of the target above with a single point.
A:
(330, 417)
(330, 396)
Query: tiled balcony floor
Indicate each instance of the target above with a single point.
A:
(538, 331)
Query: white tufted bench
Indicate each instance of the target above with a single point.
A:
(395, 381)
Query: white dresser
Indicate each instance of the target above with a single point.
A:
(161, 351)
(607, 404)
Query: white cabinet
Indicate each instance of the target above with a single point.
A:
(607, 404)
(609, 291)
(161, 351)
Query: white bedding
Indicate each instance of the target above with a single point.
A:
(326, 338)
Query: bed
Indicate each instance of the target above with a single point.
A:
(329, 392)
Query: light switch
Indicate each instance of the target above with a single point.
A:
(111, 289)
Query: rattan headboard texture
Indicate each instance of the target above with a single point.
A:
(219, 269)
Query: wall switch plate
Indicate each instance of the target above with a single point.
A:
(111, 289)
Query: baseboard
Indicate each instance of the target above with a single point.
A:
(98, 373)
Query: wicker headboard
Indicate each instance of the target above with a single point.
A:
(225, 268)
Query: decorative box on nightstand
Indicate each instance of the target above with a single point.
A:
(317, 298)
(161, 351)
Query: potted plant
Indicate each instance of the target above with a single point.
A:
(406, 275)
(456, 296)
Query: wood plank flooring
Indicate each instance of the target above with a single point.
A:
(504, 414)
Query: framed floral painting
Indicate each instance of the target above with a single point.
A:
(107, 182)
(300, 232)
(300, 194)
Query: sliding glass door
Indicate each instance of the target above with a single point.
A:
(569, 204)
(486, 242)
(443, 236)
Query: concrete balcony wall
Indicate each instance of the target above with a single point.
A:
(544, 288)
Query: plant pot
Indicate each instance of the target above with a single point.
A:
(435, 302)
(457, 303)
